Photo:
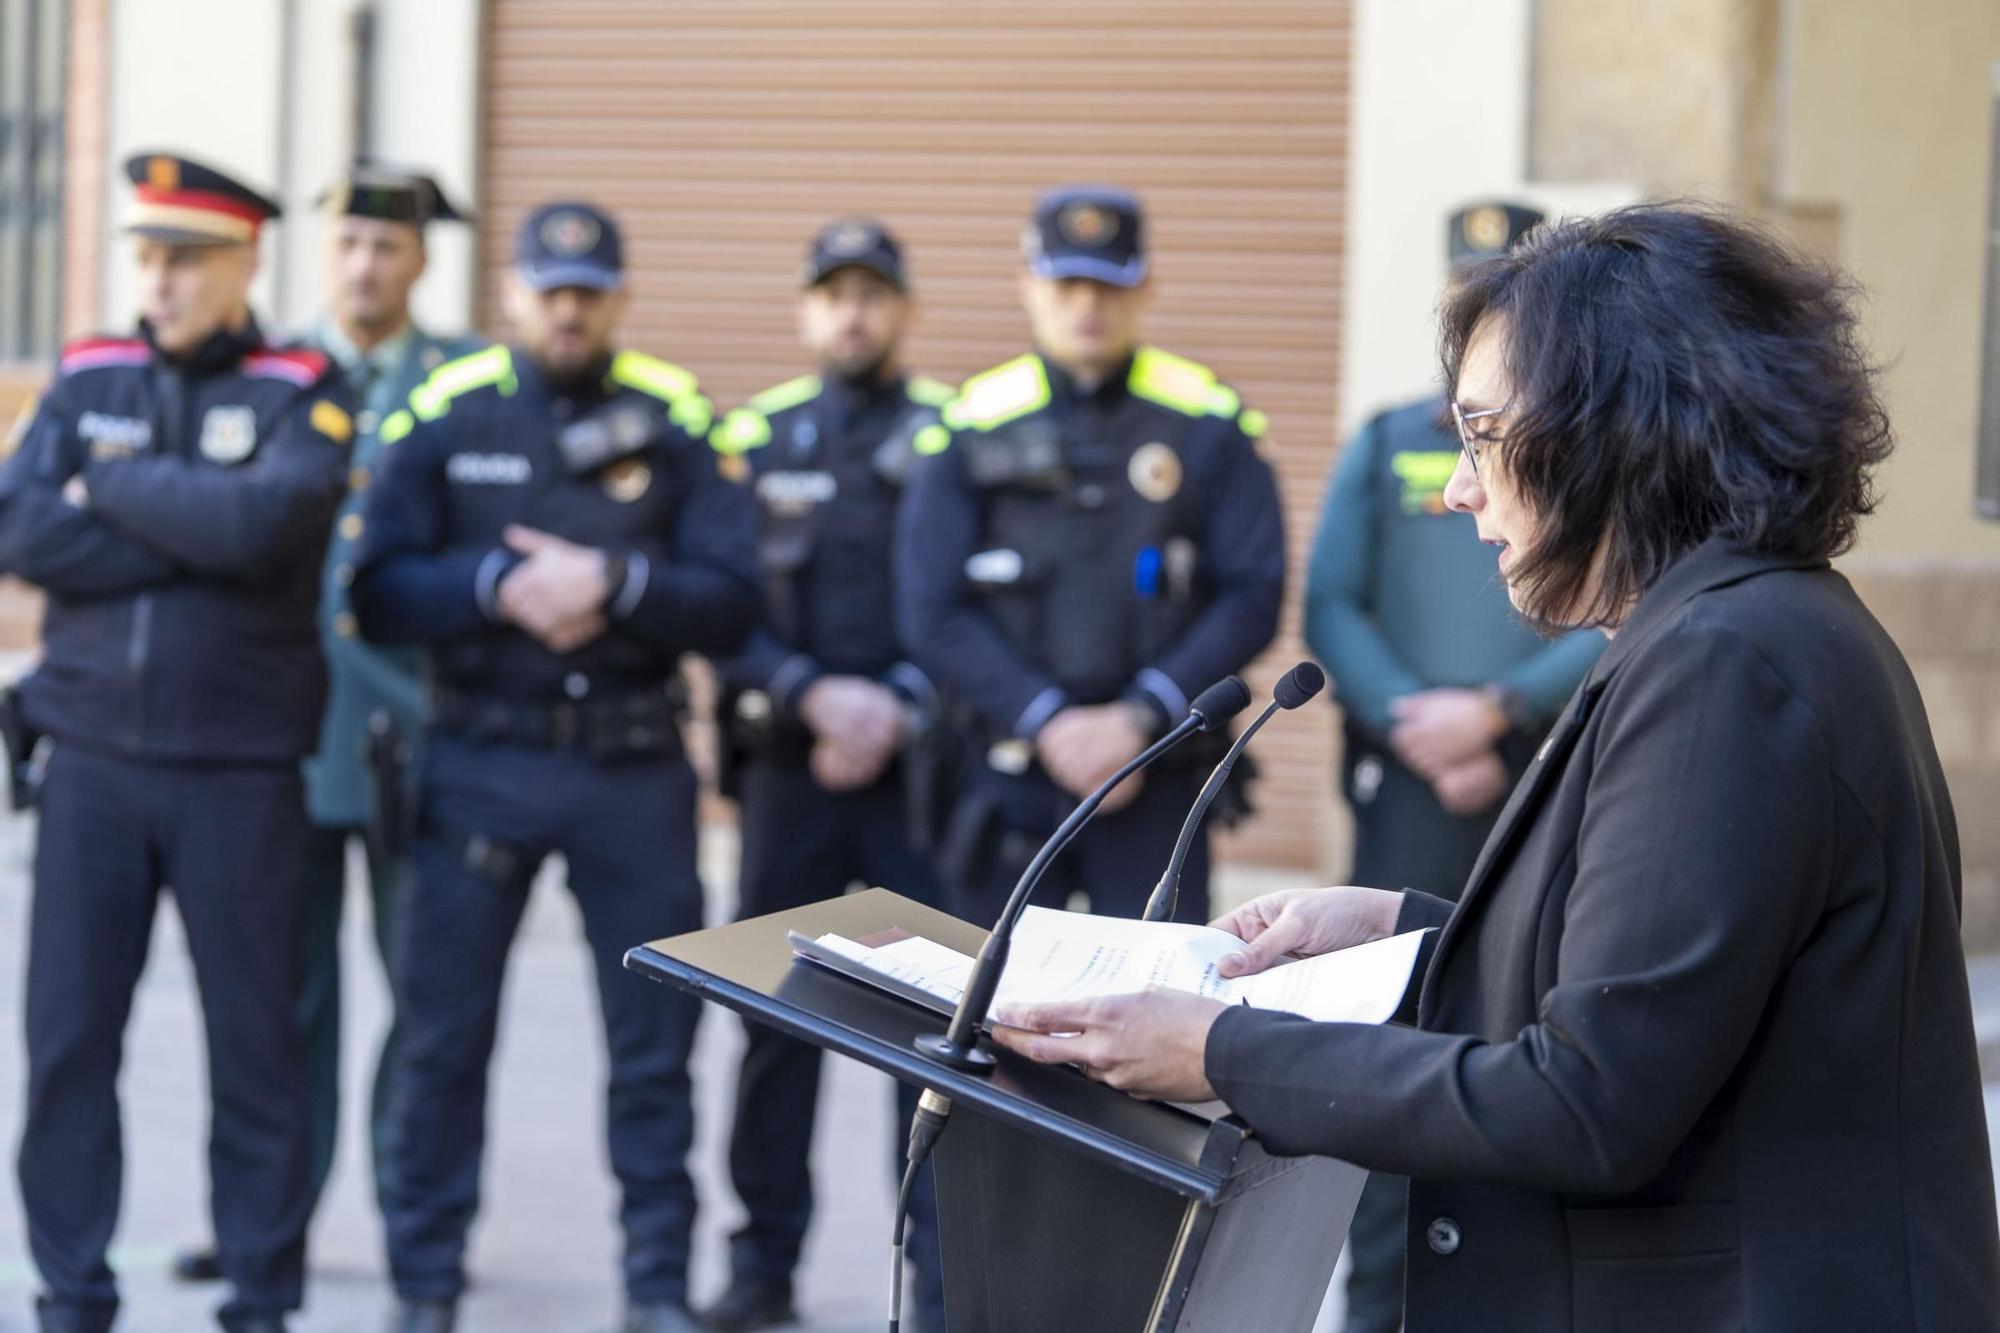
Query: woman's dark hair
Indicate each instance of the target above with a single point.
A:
(1678, 374)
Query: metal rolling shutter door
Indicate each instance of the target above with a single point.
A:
(725, 131)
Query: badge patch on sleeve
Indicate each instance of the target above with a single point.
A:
(229, 434)
(332, 421)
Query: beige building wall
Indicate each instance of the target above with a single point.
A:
(265, 88)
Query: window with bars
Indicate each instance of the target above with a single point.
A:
(31, 160)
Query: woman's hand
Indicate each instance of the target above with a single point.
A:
(1299, 923)
(1151, 1043)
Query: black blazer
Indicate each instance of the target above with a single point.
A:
(1695, 1050)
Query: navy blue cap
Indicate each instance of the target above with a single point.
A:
(1087, 231)
(856, 243)
(1481, 231)
(570, 244)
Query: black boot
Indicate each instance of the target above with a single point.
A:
(53, 1318)
(423, 1317)
(749, 1305)
(660, 1318)
(200, 1264)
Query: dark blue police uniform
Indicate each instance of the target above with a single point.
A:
(174, 509)
(532, 752)
(1063, 544)
(827, 459)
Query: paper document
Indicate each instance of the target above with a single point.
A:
(1073, 955)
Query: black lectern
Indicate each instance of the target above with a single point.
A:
(1062, 1204)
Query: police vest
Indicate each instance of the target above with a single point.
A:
(1089, 549)
(828, 514)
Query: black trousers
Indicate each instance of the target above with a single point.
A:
(627, 832)
(802, 844)
(230, 841)
(1115, 861)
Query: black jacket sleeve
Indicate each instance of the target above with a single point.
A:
(408, 586)
(52, 543)
(1682, 917)
(250, 520)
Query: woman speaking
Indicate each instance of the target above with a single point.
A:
(1694, 1051)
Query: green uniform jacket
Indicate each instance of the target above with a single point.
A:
(1401, 596)
(363, 677)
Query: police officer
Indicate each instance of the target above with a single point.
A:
(830, 727)
(1444, 691)
(172, 496)
(1090, 540)
(549, 522)
(372, 256)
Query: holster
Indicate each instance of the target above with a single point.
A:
(391, 811)
(24, 764)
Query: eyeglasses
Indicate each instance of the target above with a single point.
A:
(1465, 435)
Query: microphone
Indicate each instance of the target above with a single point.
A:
(959, 1046)
(1296, 686)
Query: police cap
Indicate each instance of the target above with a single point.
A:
(183, 202)
(1087, 231)
(373, 190)
(1483, 230)
(570, 244)
(856, 243)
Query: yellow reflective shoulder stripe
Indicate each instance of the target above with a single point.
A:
(997, 396)
(789, 394)
(1253, 423)
(929, 392)
(1173, 381)
(741, 431)
(1424, 469)
(932, 439)
(648, 374)
(396, 425)
(432, 399)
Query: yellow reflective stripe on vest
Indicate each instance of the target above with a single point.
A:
(1173, 381)
(1424, 469)
(648, 374)
(1253, 423)
(999, 395)
(789, 394)
(740, 432)
(932, 439)
(493, 365)
(929, 392)
(395, 426)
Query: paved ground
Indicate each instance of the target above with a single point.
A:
(542, 1255)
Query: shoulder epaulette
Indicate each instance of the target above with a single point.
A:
(432, 399)
(298, 365)
(929, 392)
(789, 394)
(90, 353)
(1190, 387)
(671, 384)
(997, 396)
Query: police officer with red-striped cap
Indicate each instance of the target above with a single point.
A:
(171, 494)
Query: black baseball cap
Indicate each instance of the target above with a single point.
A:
(1482, 230)
(855, 243)
(392, 194)
(570, 244)
(1087, 231)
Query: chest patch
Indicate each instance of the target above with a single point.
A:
(114, 437)
(1423, 474)
(228, 434)
(1155, 472)
(792, 493)
(627, 480)
(488, 470)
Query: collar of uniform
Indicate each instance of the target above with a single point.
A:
(1064, 388)
(588, 388)
(220, 350)
(384, 358)
(1716, 563)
